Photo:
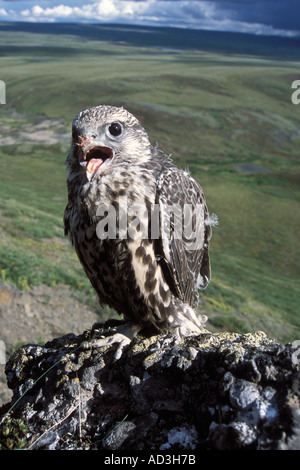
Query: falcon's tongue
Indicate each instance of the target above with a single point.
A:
(95, 157)
(93, 165)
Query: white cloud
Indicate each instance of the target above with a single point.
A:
(104, 10)
(3, 12)
(107, 8)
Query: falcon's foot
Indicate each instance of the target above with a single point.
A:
(186, 321)
(122, 334)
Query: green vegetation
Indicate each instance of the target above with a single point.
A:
(13, 434)
(213, 112)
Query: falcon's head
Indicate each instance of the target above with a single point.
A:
(104, 137)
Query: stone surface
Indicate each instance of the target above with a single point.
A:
(39, 315)
(212, 391)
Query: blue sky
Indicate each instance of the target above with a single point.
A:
(270, 17)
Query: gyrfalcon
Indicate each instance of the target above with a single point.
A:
(139, 224)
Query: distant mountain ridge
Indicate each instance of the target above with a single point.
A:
(174, 38)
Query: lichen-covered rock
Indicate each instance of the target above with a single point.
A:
(212, 391)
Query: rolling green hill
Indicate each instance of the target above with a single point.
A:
(219, 103)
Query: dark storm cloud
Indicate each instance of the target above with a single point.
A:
(277, 13)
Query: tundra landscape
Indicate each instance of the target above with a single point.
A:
(220, 103)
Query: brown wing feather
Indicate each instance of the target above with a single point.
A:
(186, 266)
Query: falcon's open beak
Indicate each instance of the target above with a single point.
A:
(92, 157)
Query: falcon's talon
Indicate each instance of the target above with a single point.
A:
(123, 335)
(150, 276)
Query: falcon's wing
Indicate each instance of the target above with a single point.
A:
(185, 232)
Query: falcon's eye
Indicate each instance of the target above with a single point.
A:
(115, 129)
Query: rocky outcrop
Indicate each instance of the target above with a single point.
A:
(212, 391)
